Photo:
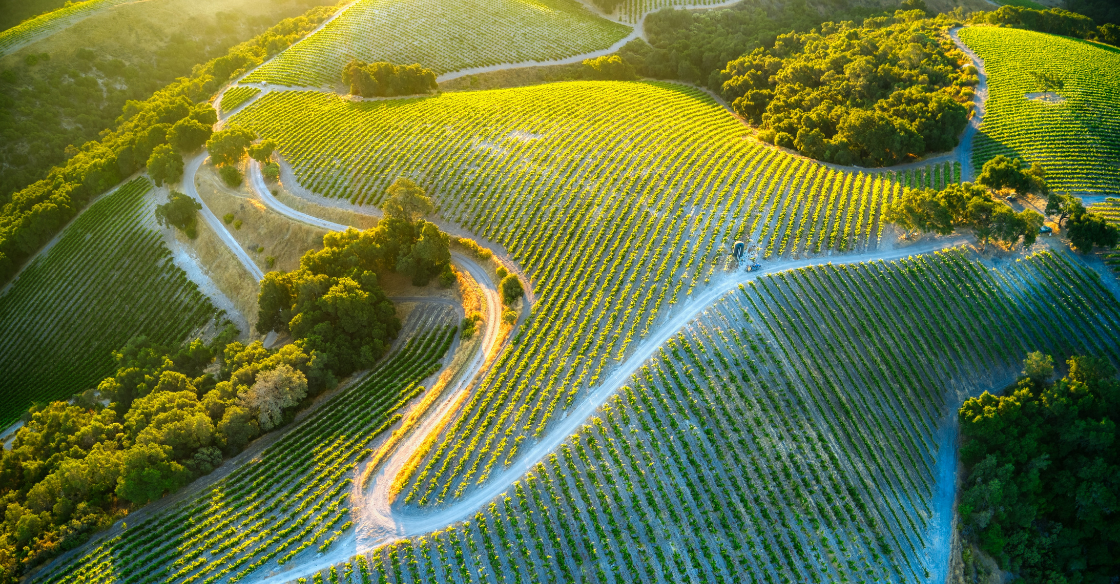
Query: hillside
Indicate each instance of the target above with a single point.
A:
(1052, 101)
(109, 277)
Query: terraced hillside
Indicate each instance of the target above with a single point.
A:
(290, 502)
(617, 198)
(796, 432)
(1052, 100)
(109, 277)
(442, 37)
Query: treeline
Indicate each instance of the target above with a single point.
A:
(170, 415)
(1042, 462)
(383, 79)
(1056, 21)
(333, 305)
(874, 94)
(974, 207)
(36, 213)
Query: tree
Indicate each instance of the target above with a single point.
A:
(273, 392)
(148, 472)
(262, 151)
(1002, 172)
(228, 146)
(231, 176)
(406, 200)
(1038, 367)
(384, 79)
(609, 68)
(181, 211)
(1087, 230)
(981, 213)
(165, 165)
(429, 256)
(189, 134)
(1063, 205)
(511, 289)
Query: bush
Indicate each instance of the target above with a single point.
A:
(180, 211)
(609, 68)
(230, 175)
(511, 289)
(509, 316)
(271, 172)
(228, 218)
(383, 79)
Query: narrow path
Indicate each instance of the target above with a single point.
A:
(189, 172)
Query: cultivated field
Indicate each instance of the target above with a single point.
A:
(1069, 124)
(442, 37)
(107, 279)
(290, 497)
(793, 433)
(618, 199)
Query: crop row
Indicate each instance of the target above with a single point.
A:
(442, 37)
(108, 278)
(290, 499)
(1073, 131)
(791, 434)
(28, 30)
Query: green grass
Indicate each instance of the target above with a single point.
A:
(442, 36)
(1077, 140)
(291, 498)
(108, 278)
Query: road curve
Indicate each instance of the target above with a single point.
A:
(189, 172)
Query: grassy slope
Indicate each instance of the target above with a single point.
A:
(443, 37)
(1078, 140)
(617, 198)
(791, 434)
(109, 278)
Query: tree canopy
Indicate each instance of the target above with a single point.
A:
(165, 165)
(874, 94)
(964, 205)
(227, 146)
(383, 79)
(181, 211)
(1040, 494)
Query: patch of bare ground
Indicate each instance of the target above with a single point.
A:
(1045, 97)
(262, 233)
(354, 219)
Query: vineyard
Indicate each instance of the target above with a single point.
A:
(442, 37)
(109, 277)
(289, 502)
(23, 33)
(1071, 127)
(632, 11)
(236, 96)
(617, 198)
(790, 434)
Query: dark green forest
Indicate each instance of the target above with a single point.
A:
(1043, 473)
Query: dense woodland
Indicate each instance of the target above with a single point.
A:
(1042, 461)
(875, 94)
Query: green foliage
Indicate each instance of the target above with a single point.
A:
(165, 165)
(1052, 21)
(407, 201)
(236, 96)
(181, 211)
(270, 171)
(39, 208)
(262, 151)
(227, 146)
(231, 176)
(964, 205)
(1038, 367)
(1002, 172)
(511, 289)
(1088, 230)
(382, 79)
(609, 68)
(189, 134)
(1042, 463)
(874, 94)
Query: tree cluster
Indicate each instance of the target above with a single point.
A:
(180, 211)
(171, 416)
(1042, 461)
(964, 205)
(1061, 21)
(36, 212)
(333, 305)
(874, 94)
(609, 68)
(1085, 229)
(383, 79)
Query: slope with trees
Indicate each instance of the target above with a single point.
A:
(108, 278)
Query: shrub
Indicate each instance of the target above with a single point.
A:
(511, 289)
(271, 172)
(230, 175)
